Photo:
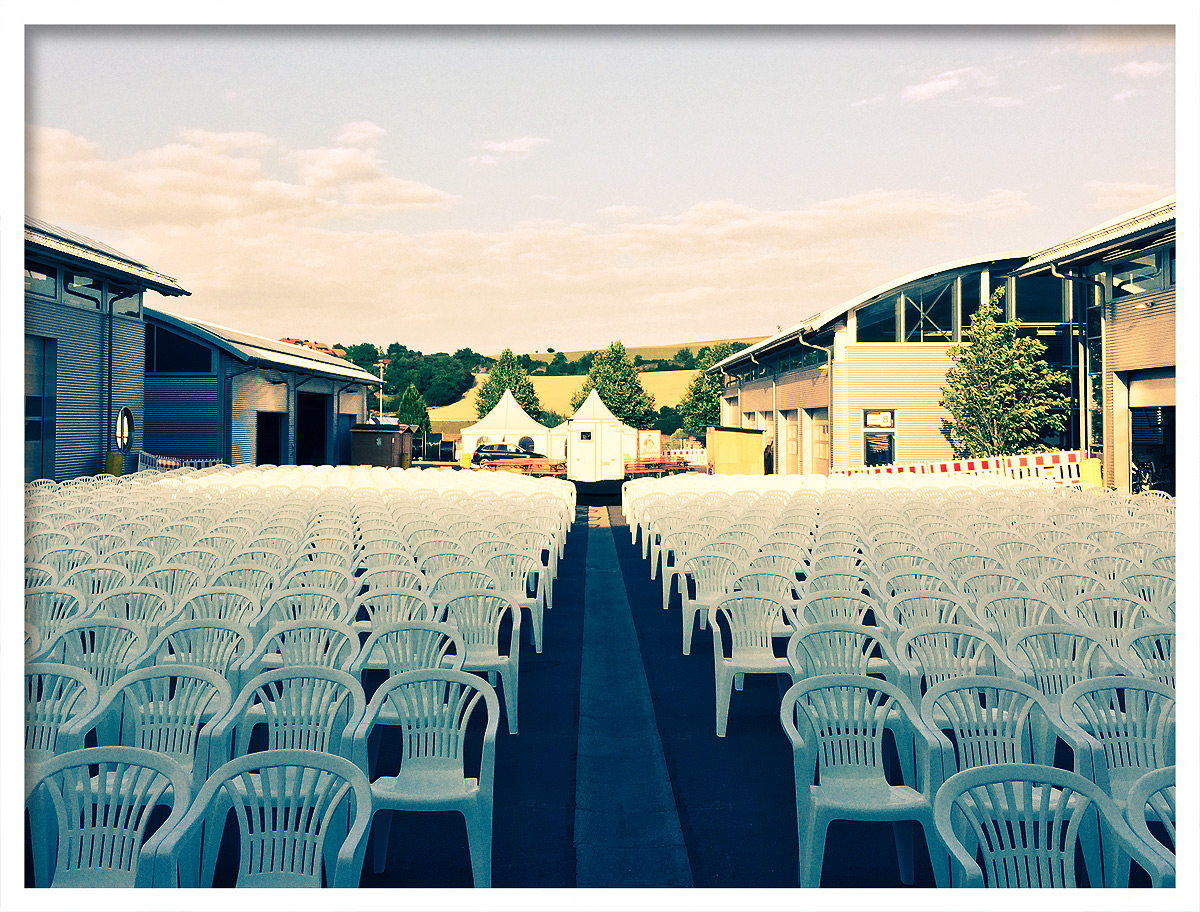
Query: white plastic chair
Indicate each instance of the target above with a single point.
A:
(1153, 646)
(1004, 613)
(823, 605)
(307, 641)
(478, 617)
(299, 813)
(307, 603)
(410, 645)
(433, 709)
(102, 800)
(751, 621)
(226, 603)
(50, 608)
(521, 579)
(842, 647)
(1156, 589)
(208, 642)
(933, 653)
(1060, 655)
(1108, 613)
(106, 647)
(1122, 727)
(1026, 820)
(706, 579)
(1152, 798)
(836, 725)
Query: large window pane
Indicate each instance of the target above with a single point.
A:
(877, 322)
(928, 312)
(969, 298)
(83, 290)
(40, 279)
(1136, 275)
(173, 354)
(1038, 299)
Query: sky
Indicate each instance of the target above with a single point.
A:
(562, 187)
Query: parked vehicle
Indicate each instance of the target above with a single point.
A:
(491, 452)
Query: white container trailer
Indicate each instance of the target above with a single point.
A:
(595, 442)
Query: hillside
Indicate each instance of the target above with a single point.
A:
(648, 352)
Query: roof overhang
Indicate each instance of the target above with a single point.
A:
(259, 351)
(107, 262)
(1129, 230)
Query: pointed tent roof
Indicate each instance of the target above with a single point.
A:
(594, 409)
(507, 416)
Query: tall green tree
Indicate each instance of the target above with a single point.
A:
(700, 406)
(614, 377)
(507, 374)
(1002, 396)
(364, 354)
(412, 409)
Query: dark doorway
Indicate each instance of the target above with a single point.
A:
(345, 423)
(312, 423)
(268, 445)
(1152, 450)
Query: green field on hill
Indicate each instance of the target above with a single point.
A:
(647, 352)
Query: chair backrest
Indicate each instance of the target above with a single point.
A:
(302, 707)
(104, 799)
(105, 646)
(307, 575)
(1027, 821)
(259, 580)
(937, 652)
(477, 616)
(839, 647)
(226, 603)
(1128, 722)
(1153, 645)
(992, 720)
(307, 603)
(1060, 655)
(712, 574)
(1156, 589)
(306, 641)
(445, 586)
(982, 583)
(1006, 612)
(214, 643)
(289, 806)
(49, 608)
(55, 694)
(176, 580)
(1152, 799)
(1109, 613)
(411, 645)
(914, 608)
(751, 618)
(386, 606)
(821, 605)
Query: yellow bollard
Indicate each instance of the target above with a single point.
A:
(1090, 473)
(114, 463)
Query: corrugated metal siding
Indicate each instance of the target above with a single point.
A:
(906, 377)
(253, 394)
(803, 389)
(129, 376)
(183, 416)
(1139, 339)
(80, 438)
(756, 396)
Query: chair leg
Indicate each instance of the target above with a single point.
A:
(903, 833)
(383, 827)
(812, 857)
(723, 687)
(508, 683)
(689, 619)
(479, 840)
(939, 858)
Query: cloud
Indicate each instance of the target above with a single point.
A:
(362, 132)
(953, 84)
(497, 151)
(1002, 101)
(210, 179)
(864, 102)
(1122, 97)
(1141, 69)
(282, 258)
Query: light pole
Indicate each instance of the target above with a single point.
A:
(381, 365)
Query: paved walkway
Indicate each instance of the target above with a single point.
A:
(627, 831)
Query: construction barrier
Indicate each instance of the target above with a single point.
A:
(167, 463)
(1063, 467)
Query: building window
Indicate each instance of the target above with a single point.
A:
(1138, 275)
(928, 312)
(526, 443)
(877, 322)
(125, 302)
(41, 279)
(969, 299)
(123, 430)
(171, 353)
(879, 437)
(82, 290)
(1038, 299)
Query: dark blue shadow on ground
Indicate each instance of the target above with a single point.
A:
(736, 795)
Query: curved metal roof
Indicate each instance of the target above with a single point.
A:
(826, 317)
(1155, 218)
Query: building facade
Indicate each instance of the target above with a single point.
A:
(860, 384)
(84, 380)
(1121, 276)
(216, 393)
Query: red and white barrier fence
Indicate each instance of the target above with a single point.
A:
(1062, 467)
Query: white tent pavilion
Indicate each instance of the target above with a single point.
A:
(507, 422)
(597, 444)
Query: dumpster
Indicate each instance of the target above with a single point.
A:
(387, 445)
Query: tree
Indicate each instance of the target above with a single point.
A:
(667, 421)
(700, 407)
(412, 409)
(1002, 396)
(364, 354)
(507, 374)
(685, 359)
(552, 419)
(614, 377)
